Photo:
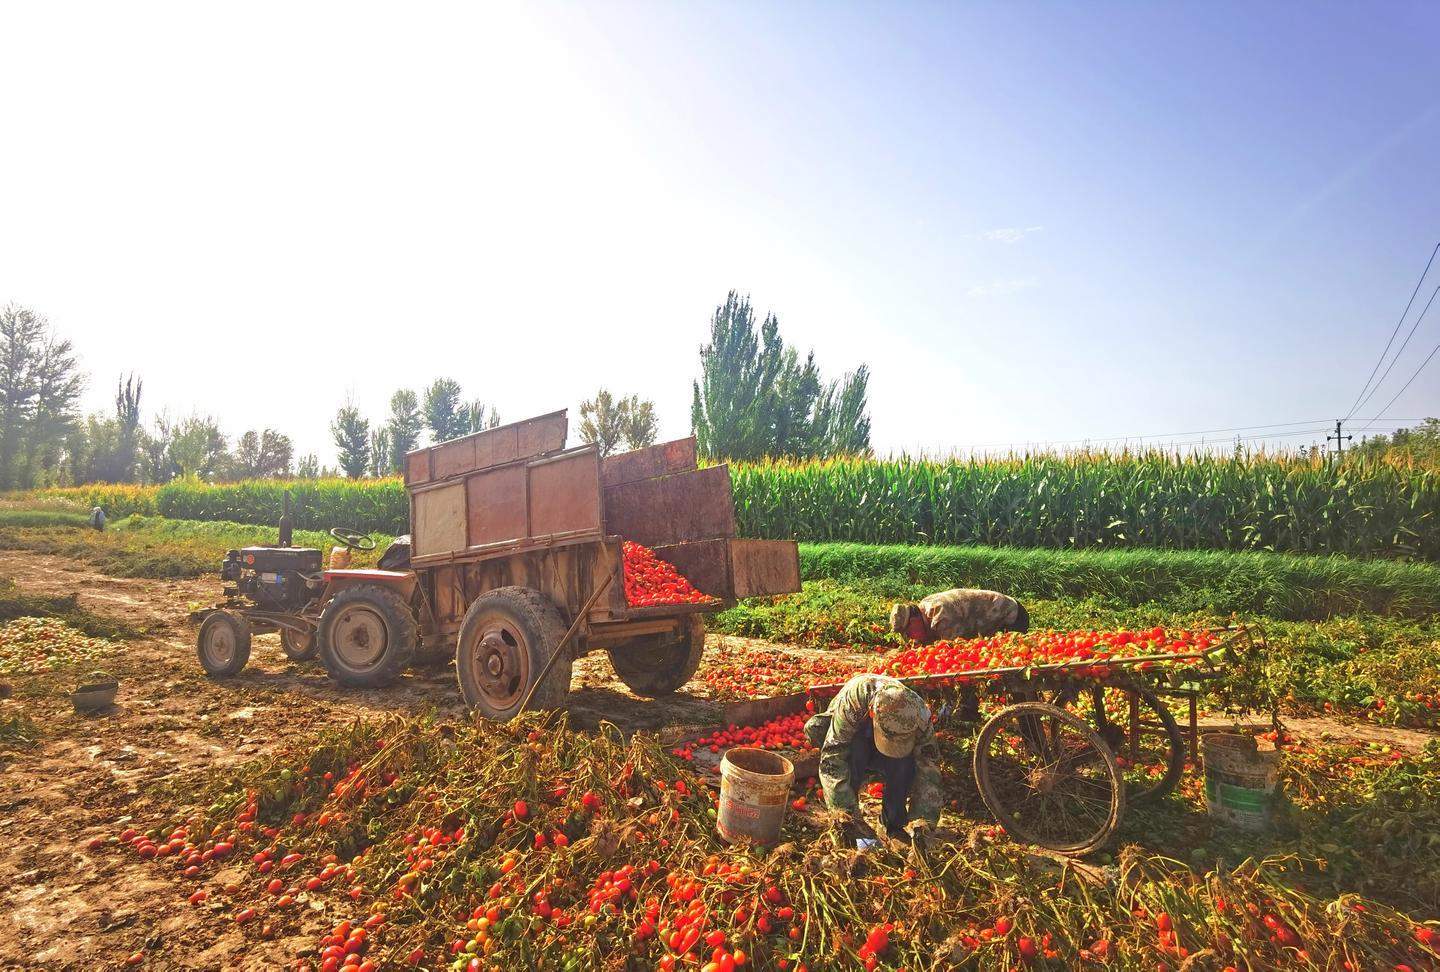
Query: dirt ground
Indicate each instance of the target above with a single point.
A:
(69, 907)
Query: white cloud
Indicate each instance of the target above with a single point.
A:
(1010, 234)
(999, 288)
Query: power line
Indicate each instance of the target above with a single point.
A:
(1403, 346)
(1403, 387)
(1163, 435)
(1393, 333)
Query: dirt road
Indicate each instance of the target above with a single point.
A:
(73, 908)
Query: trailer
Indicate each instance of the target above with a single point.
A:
(517, 550)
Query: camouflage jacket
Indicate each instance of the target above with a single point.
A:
(968, 614)
(850, 712)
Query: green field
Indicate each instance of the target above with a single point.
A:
(1092, 501)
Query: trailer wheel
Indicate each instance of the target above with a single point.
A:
(505, 640)
(655, 665)
(298, 647)
(366, 636)
(223, 644)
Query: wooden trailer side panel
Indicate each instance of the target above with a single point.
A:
(656, 460)
(681, 507)
(490, 447)
(763, 567)
(567, 575)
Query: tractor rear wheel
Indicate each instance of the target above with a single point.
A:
(506, 639)
(655, 665)
(366, 636)
(298, 647)
(223, 645)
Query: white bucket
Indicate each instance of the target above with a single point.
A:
(754, 791)
(1241, 781)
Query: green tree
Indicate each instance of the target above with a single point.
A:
(21, 332)
(757, 397)
(308, 467)
(606, 422)
(58, 384)
(404, 427)
(444, 413)
(380, 452)
(1419, 444)
(351, 433)
(197, 447)
(262, 455)
(476, 419)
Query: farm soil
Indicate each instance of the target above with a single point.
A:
(68, 907)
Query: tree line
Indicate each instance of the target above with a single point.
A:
(756, 396)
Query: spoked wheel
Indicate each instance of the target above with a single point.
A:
(223, 645)
(655, 665)
(1049, 778)
(297, 646)
(366, 636)
(1140, 730)
(505, 640)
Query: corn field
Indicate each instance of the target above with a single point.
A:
(1077, 500)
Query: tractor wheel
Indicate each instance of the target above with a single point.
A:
(655, 665)
(298, 647)
(367, 635)
(505, 640)
(223, 645)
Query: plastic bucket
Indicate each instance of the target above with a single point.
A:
(1240, 780)
(754, 789)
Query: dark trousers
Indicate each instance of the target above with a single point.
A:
(897, 772)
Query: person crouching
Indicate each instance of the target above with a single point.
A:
(959, 613)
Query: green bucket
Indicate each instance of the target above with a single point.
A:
(1241, 780)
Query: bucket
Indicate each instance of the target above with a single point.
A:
(754, 789)
(1241, 781)
(97, 695)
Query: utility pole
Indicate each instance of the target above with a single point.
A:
(1339, 440)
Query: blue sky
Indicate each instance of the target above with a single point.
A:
(1035, 222)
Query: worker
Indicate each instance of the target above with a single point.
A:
(877, 725)
(97, 519)
(959, 613)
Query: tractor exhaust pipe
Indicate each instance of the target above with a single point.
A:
(286, 528)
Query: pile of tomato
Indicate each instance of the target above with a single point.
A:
(746, 673)
(1012, 650)
(783, 732)
(651, 582)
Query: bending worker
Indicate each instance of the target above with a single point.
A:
(959, 614)
(877, 725)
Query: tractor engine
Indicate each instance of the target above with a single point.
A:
(275, 578)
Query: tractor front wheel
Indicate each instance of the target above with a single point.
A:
(655, 665)
(299, 647)
(223, 645)
(366, 636)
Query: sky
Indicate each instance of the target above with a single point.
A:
(1036, 223)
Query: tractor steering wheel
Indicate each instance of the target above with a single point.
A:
(352, 539)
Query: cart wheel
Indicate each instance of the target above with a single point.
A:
(1049, 778)
(223, 645)
(298, 647)
(366, 636)
(655, 665)
(505, 640)
(1152, 760)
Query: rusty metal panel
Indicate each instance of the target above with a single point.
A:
(496, 499)
(450, 602)
(657, 460)
(454, 458)
(705, 563)
(439, 520)
(417, 467)
(565, 494)
(764, 567)
(686, 506)
(545, 433)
